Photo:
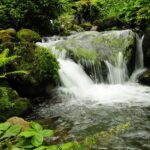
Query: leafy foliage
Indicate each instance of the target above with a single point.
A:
(17, 14)
(131, 11)
(12, 137)
(4, 60)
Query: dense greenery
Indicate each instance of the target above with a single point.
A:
(55, 16)
(32, 136)
(30, 13)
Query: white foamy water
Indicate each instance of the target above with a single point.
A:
(139, 63)
(117, 74)
(82, 89)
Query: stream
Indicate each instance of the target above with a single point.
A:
(83, 107)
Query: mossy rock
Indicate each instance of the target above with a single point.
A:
(19, 121)
(86, 26)
(109, 24)
(27, 35)
(11, 104)
(42, 66)
(77, 28)
(7, 35)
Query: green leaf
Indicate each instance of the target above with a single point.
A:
(52, 147)
(4, 126)
(36, 126)
(12, 131)
(1, 132)
(21, 142)
(27, 134)
(47, 133)
(67, 146)
(15, 148)
(40, 148)
(37, 140)
(28, 147)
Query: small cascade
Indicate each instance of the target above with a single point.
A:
(73, 77)
(49, 42)
(94, 70)
(118, 73)
(139, 59)
(139, 63)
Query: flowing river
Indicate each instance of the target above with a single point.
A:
(84, 107)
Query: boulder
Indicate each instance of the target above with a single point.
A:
(7, 35)
(19, 121)
(12, 104)
(92, 47)
(109, 24)
(144, 78)
(86, 26)
(42, 66)
(27, 35)
(100, 46)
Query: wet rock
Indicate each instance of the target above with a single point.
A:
(144, 78)
(102, 45)
(97, 47)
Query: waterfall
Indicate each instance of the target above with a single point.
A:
(139, 63)
(73, 77)
(139, 59)
(118, 73)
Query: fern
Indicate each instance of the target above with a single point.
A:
(4, 75)
(4, 60)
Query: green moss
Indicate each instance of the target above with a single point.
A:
(40, 62)
(77, 28)
(28, 35)
(45, 65)
(7, 35)
(11, 104)
(86, 25)
(86, 54)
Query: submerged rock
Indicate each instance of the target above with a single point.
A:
(144, 78)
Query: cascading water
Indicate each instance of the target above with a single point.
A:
(98, 106)
(118, 74)
(139, 63)
(139, 59)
